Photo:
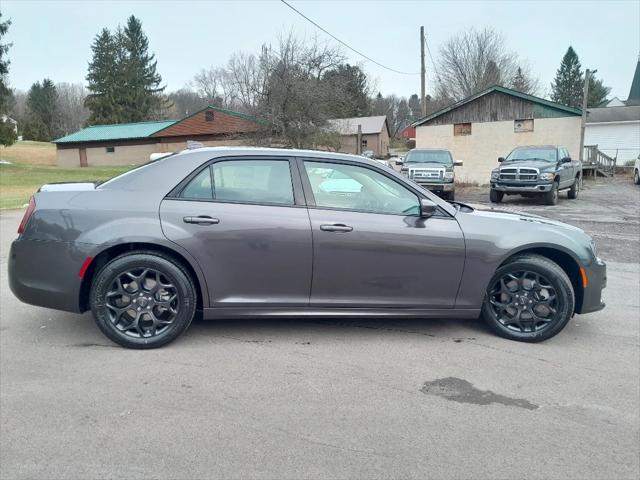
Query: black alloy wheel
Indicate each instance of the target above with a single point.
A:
(529, 299)
(143, 300)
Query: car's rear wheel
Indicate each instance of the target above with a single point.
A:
(529, 299)
(143, 300)
(572, 193)
(636, 177)
(495, 196)
(551, 197)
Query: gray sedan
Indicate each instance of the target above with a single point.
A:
(240, 232)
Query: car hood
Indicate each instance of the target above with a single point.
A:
(518, 216)
(539, 164)
(426, 165)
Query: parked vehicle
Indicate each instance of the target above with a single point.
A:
(636, 171)
(241, 232)
(541, 170)
(369, 154)
(432, 169)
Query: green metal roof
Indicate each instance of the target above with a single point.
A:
(120, 131)
(507, 91)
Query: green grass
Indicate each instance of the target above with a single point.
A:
(19, 181)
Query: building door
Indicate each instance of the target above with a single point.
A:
(83, 157)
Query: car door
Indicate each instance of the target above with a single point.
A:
(245, 222)
(566, 169)
(370, 247)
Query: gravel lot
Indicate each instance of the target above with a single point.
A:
(335, 399)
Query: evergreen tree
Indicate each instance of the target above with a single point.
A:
(141, 96)
(347, 91)
(105, 86)
(123, 82)
(567, 85)
(521, 82)
(7, 133)
(597, 92)
(42, 112)
(414, 105)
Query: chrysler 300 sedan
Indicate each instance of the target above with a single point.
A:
(240, 232)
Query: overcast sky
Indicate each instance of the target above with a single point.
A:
(52, 38)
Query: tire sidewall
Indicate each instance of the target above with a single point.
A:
(174, 273)
(566, 301)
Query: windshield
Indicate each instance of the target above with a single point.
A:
(545, 154)
(429, 156)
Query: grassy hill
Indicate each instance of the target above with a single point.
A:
(33, 165)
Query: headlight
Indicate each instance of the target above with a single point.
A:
(495, 175)
(547, 176)
(448, 175)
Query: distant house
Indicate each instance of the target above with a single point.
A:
(616, 130)
(375, 134)
(133, 143)
(5, 118)
(408, 133)
(480, 128)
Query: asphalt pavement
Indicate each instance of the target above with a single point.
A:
(331, 398)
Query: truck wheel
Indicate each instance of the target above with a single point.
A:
(575, 188)
(529, 299)
(551, 197)
(451, 196)
(636, 177)
(143, 300)
(495, 196)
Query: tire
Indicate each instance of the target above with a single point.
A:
(143, 300)
(551, 197)
(636, 177)
(572, 193)
(451, 196)
(550, 297)
(495, 196)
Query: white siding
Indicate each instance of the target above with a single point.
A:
(615, 138)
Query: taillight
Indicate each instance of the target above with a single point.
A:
(27, 215)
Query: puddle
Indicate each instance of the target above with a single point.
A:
(461, 391)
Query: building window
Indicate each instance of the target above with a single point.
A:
(364, 143)
(110, 149)
(208, 116)
(525, 125)
(461, 129)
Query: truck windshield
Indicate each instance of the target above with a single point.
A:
(429, 156)
(545, 154)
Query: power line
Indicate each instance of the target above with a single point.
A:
(345, 44)
(435, 69)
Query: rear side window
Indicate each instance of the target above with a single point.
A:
(243, 181)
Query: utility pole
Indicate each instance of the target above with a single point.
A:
(359, 141)
(423, 73)
(585, 102)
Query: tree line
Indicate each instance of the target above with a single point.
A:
(296, 85)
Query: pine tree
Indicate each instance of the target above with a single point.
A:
(7, 133)
(42, 113)
(104, 77)
(567, 85)
(521, 82)
(141, 97)
(597, 92)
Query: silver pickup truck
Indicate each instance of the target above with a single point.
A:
(431, 169)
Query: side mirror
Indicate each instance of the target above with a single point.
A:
(427, 208)
(500, 159)
(566, 160)
(399, 162)
(457, 163)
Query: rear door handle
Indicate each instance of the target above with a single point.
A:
(201, 220)
(336, 227)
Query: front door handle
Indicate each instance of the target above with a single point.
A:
(201, 220)
(336, 227)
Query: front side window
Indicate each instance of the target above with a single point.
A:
(357, 188)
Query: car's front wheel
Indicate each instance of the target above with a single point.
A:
(572, 193)
(551, 197)
(143, 300)
(636, 177)
(529, 299)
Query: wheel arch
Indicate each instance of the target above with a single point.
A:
(563, 258)
(103, 257)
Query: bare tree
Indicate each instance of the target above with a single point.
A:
(70, 105)
(477, 59)
(184, 102)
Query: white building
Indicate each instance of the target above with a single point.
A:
(491, 123)
(615, 130)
